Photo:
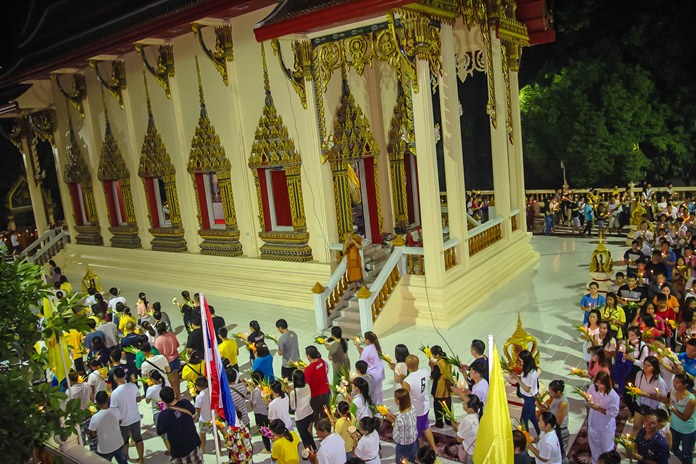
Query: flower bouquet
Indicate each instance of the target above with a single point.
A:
(242, 336)
(505, 366)
(520, 426)
(541, 397)
(585, 396)
(426, 351)
(273, 338)
(632, 390)
(385, 357)
(183, 356)
(578, 372)
(382, 409)
(131, 350)
(628, 443)
(266, 432)
(299, 364)
(585, 333)
(453, 360)
(320, 340)
(447, 413)
(357, 340)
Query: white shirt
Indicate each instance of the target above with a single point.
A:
(468, 428)
(549, 448)
(160, 364)
(480, 389)
(203, 403)
(124, 399)
(110, 333)
(419, 389)
(362, 408)
(153, 394)
(332, 450)
(300, 401)
(82, 392)
(105, 423)
(95, 381)
(368, 448)
(90, 301)
(280, 409)
(114, 301)
(400, 370)
(530, 380)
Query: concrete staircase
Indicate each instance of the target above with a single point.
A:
(347, 315)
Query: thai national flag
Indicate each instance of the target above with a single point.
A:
(220, 396)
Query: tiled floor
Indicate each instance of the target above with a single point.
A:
(546, 296)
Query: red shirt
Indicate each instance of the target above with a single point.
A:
(317, 377)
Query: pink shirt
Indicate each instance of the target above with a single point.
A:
(168, 345)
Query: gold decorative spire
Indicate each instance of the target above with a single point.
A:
(207, 153)
(75, 167)
(154, 159)
(272, 145)
(111, 163)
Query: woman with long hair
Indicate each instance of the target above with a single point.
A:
(598, 362)
(682, 404)
(592, 326)
(300, 402)
(528, 387)
(440, 373)
(285, 443)
(361, 404)
(368, 443)
(548, 448)
(370, 354)
(338, 354)
(603, 403)
(467, 428)
(143, 306)
(614, 314)
(687, 327)
(279, 407)
(344, 421)
(606, 340)
(557, 404)
(256, 337)
(629, 360)
(653, 390)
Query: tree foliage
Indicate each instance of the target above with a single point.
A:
(33, 410)
(613, 97)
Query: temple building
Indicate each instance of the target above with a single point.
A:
(232, 147)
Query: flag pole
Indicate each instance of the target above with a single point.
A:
(490, 355)
(207, 341)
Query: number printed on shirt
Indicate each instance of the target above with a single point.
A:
(423, 385)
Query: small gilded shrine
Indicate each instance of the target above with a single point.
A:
(276, 165)
(158, 175)
(211, 174)
(519, 341)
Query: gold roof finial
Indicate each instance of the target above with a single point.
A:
(200, 83)
(266, 81)
(147, 95)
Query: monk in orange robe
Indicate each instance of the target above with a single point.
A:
(351, 250)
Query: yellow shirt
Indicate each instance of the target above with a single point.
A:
(122, 324)
(341, 428)
(285, 451)
(76, 343)
(190, 373)
(66, 287)
(228, 350)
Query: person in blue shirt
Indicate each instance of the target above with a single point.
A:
(263, 362)
(588, 213)
(688, 359)
(669, 258)
(592, 300)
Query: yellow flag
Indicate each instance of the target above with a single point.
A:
(494, 438)
(55, 361)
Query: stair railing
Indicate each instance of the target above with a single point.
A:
(39, 242)
(371, 302)
(51, 248)
(327, 298)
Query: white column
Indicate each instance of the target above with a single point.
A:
(517, 168)
(452, 144)
(37, 203)
(499, 142)
(428, 185)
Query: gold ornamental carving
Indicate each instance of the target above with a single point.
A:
(155, 163)
(76, 170)
(77, 92)
(601, 258)
(508, 94)
(353, 140)
(302, 50)
(164, 69)
(223, 51)
(401, 142)
(115, 84)
(207, 155)
(34, 128)
(518, 342)
(274, 149)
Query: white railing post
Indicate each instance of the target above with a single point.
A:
(365, 306)
(320, 315)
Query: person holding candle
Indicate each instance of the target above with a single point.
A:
(528, 384)
(285, 443)
(440, 373)
(367, 445)
(345, 420)
(370, 353)
(317, 376)
(592, 327)
(632, 292)
(416, 383)
(362, 403)
(649, 443)
(557, 404)
(682, 404)
(279, 407)
(338, 354)
(652, 390)
(603, 403)
(405, 431)
(300, 402)
(606, 340)
(591, 300)
(467, 429)
(548, 448)
(332, 449)
(613, 314)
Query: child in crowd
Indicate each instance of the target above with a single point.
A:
(519, 441)
(345, 420)
(203, 411)
(153, 397)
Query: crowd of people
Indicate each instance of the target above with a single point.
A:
(610, 212)
(638, 345)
